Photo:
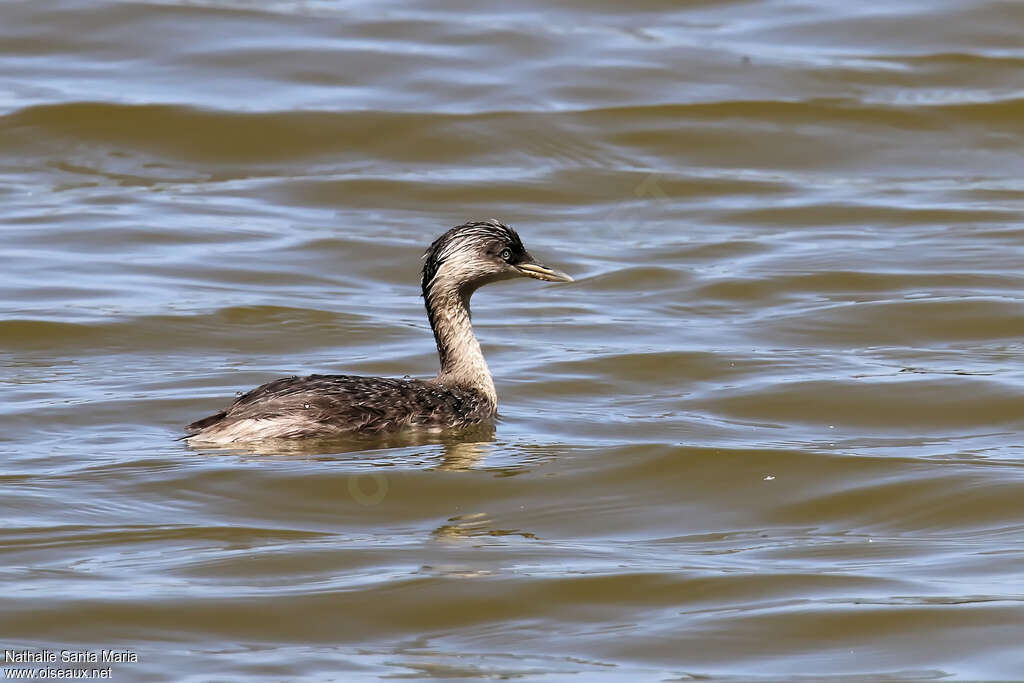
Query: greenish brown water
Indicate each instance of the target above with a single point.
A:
(771, 433)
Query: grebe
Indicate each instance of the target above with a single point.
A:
(462, 395)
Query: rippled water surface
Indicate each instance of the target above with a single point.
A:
(772, 432)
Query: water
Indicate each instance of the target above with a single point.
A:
(771, 432)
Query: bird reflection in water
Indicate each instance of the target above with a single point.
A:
(460, 450)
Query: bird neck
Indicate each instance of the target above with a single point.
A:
(462, 360)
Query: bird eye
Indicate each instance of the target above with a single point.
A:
(506, 254)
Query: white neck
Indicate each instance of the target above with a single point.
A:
(462, 360)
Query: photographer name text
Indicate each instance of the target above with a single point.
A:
(70, 656)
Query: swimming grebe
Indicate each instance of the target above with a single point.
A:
(462, 394)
